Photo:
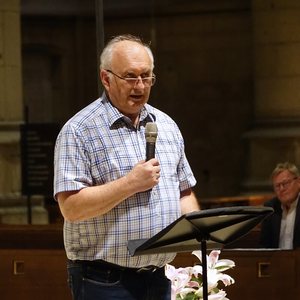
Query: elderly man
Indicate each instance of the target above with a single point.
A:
(282, 229)
(109, 193)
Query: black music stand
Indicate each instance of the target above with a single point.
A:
(212, 228)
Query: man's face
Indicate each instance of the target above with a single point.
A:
(286, 186)
(129, 60)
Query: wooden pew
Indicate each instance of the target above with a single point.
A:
(241, 200)
(32, 263)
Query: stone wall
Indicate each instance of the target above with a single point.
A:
(275, 136)
(10, 97)
(204, 71)
(227, 72)
(13, 207)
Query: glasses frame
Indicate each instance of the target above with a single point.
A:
(284, 184)
(133, 81)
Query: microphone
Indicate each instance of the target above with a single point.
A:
(151, 135)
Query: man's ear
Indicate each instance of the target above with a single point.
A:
(104, 76)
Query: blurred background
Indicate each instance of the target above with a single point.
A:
(228, 72)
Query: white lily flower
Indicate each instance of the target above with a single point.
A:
(186, 281)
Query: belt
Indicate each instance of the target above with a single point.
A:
(150, 269)
(101, 264)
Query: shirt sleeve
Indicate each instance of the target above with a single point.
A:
(71, 161)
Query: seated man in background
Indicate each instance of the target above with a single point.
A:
(282, 228)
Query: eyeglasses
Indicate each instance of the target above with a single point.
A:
(133, 81)
(284, 184)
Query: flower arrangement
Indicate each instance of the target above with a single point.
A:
(187, 282)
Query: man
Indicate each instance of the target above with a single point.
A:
(107, 192)
(282, 229)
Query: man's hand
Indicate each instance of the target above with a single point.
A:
(144, 175)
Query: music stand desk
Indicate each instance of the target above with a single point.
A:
(212, 228)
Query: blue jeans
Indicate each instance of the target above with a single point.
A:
(90, 281)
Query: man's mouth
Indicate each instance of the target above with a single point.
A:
(136, 97)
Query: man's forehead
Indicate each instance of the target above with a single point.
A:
(129, 49)
(285, 174)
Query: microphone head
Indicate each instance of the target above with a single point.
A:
(151, 132)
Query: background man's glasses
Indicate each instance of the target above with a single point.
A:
(284, 184)
(133, 81)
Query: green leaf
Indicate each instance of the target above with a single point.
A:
(190, 297)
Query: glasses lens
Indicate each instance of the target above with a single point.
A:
(284, 184)
(147, 81)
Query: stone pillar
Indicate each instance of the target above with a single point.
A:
(12, 204)
(275, 136)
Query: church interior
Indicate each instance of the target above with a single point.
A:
(228, 72)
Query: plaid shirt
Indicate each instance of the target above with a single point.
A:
(99, 145)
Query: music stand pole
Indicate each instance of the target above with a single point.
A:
(204, 269)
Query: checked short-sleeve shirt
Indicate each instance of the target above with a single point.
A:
(99, 145)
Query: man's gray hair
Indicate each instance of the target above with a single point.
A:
(106, 55)
(285, 166)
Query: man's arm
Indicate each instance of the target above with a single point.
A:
(93, 201)
(188, 201)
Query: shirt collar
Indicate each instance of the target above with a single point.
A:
(115, 116)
